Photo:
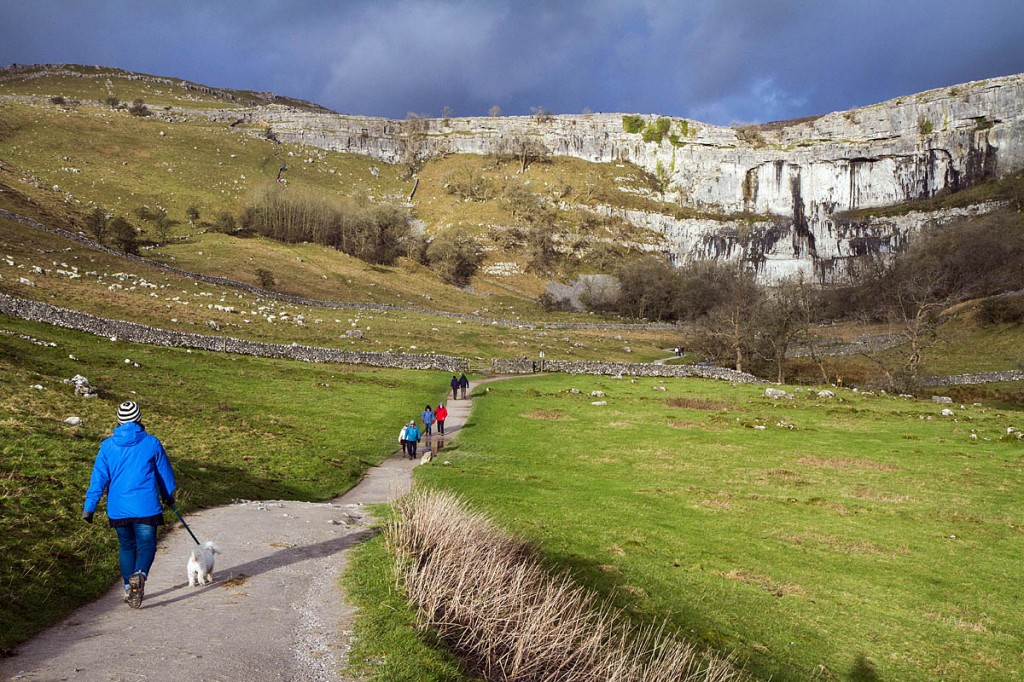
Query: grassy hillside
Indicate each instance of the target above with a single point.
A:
(858, 537)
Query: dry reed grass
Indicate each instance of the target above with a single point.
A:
(507, 618)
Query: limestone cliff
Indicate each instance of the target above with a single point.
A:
(774, 191)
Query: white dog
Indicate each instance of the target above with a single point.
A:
(200, 564)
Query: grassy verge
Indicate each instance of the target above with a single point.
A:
(807, 537)
(387, 645)
(234, 427)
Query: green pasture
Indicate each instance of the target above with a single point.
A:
(859, 537)
(235, 427)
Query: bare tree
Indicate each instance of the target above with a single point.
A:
(785, 318)
(525, 150)
(414, 132)
(494, 111)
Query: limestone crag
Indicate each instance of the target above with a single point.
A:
(769, 193)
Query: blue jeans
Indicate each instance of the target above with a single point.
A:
(138, 548)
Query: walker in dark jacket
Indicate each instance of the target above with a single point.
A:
(133, 470)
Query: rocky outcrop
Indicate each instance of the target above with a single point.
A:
(772, 194)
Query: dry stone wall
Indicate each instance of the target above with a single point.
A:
(139, 333)
(634, 369)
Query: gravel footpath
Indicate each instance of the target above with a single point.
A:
(275, 611)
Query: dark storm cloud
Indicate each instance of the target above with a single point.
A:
(720, 61)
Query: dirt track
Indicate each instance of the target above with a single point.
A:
(274, 612)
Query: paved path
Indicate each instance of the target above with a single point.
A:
(275, 611)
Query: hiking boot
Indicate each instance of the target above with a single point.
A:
(136, 588)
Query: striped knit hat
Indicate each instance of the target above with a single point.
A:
(128, 412)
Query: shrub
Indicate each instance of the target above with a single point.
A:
(138, 108)
(124, 234)
(97, 223)
(192, 213)
(162, 223)
(656, 131)
(112, 102)
(632, 123)
(925, 125)
(542, 115)
(455, 257)
(58, 100)
(468, 183)
(224, 223)
(1008, 309)
(525, 150)
(265, 278)
(751, 136)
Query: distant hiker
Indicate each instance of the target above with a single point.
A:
(463, 384)
(428, 418)
(455, 387)
(412, 436)
(403, 438)
(281, 170)
(440, 414)
(133, 470)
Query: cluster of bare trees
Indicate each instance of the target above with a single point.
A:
(376, 233)
(752, 327)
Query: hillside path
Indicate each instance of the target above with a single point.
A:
(275, 611)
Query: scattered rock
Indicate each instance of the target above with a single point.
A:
(826, 394)
(597, 394)
(775, 393)
(73, 421)
(947, 412)
(599, 402)
(82, 386)
(942, 400)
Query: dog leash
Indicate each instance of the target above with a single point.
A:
(175, 509)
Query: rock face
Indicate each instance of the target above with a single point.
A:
(772, 194)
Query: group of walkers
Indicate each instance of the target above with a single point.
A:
(411, 434)
(459, 384)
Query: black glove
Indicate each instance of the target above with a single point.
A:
(169, 500)
(87, 516)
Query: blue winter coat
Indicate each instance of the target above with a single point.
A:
(412, 432)
(428, 417)
(133, 470)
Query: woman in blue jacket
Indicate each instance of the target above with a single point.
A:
(133, 470)
(428, 420)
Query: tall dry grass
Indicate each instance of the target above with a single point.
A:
(507, 618)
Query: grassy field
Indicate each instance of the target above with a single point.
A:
(859, 537)
(234, 427)
(91, 281)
